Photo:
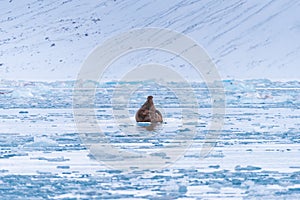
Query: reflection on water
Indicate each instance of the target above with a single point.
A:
(154, 127)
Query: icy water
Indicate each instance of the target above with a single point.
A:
(256, 156)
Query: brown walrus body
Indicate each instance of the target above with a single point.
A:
(148, 112)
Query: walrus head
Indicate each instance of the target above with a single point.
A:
(149, 103)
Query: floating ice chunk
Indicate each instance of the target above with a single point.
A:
(248, 168)
(58, 159)
(22, 93)
(41, 143)
(235, 85)
(5, 92)
(11, 154)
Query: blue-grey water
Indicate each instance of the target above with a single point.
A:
(256, 156)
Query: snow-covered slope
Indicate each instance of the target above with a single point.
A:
(49, 40)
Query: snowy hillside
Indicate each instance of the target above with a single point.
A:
(49, 40)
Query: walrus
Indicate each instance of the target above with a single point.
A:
(148, 112)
